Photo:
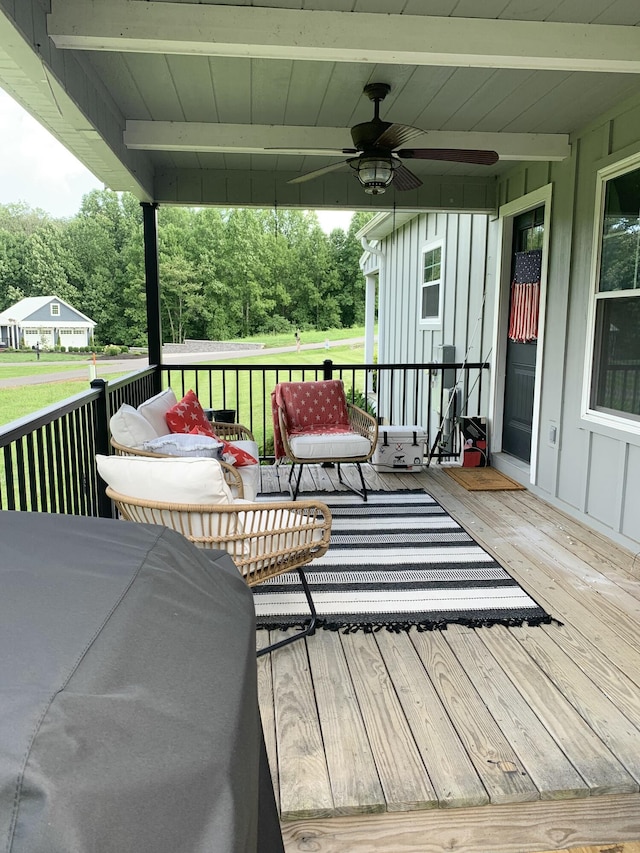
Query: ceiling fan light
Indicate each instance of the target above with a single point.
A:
(375, 173)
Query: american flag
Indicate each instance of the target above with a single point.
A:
(525, 296)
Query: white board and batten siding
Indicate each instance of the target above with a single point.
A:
(467, 293)
(593, 470)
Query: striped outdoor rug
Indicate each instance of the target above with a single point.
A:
(397, 561)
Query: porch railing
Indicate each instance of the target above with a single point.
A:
(431, 395)
(47, 460)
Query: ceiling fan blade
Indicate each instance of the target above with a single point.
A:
(310, 152)
(453, 155)
(397, 134)
(308, 176)
(403, 179)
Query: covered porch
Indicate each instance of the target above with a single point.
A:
(500, 739)
(494, 740)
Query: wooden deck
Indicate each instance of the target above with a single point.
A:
(469, 741)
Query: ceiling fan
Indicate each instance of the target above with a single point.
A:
(378, 156)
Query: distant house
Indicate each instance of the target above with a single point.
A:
(46, 321)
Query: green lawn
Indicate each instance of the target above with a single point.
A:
(306, 337)
(17, 402)
(15, 371)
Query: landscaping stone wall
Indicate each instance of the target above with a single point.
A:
(210, 346)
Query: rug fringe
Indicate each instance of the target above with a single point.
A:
(404, 626)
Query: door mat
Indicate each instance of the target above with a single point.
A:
(482, 479)
(398, 560)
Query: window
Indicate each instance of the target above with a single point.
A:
(55, 309)
(615, 375)
(430, 289)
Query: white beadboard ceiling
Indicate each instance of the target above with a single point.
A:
(224, 103)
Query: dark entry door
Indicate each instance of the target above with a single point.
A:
(528, 230)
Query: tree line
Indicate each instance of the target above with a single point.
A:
(224, 274)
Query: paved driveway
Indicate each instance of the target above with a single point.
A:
(108, 367)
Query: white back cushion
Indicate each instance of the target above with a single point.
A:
(173, 479)
(130, 428)
(155, 408)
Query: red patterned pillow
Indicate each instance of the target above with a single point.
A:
(230, 452)
(240, 456)
(188, 414)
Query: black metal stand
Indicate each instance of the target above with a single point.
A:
(361, 493)
(309, 628)
(294, 491)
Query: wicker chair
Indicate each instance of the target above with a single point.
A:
(231, 474)
(339, 433)
(232, 432)
(264, 539)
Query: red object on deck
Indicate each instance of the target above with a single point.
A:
(475, 455)
(471, 458)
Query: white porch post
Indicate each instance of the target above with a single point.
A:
(369, 318)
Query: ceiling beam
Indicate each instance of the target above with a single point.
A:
(242, 31)
(241, 188)
(326, 141)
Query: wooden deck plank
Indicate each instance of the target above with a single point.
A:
(451, 771)
(591, 663)
(622, 691)
(594, 761)
(608, 721)
(496, 763)
(551, 770)
(517, 828)
(352, 771)
(305, 789)
(269, 481)
(267, 710)
(576, 604)
(583, 611)
(587, 566)
(402, 774)
(613, 558)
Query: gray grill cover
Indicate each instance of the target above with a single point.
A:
(128, 706)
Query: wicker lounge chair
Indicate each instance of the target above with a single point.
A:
(231, 474)
(314, 423)
(265, 539)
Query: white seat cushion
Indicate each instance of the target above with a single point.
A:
(276, 519)
(173, 479)
(130, 428)
(329, 446)
(155, 408)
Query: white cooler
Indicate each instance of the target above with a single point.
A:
(399, 448)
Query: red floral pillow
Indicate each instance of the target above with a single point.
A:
(230, 452)
(188, 414)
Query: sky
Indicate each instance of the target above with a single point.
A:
(37, 169)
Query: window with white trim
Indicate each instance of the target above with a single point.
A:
(431, 285)
(615, 373)
(55, 309)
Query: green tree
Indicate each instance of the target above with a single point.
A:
(45, 265)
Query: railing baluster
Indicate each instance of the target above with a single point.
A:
(8, 475)
(22, 490)
(31, 467)
(49, 457)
